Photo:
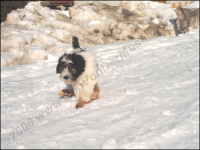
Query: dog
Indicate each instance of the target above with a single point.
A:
(79, 70)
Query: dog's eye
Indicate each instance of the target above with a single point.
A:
(64, 64)
(70, 67)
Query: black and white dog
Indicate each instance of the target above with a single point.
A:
(78, 70)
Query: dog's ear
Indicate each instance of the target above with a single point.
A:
(78, 64)
(58, 68)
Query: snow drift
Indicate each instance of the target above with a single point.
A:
(37, 33)
(130, 20)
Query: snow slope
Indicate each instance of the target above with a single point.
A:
(149, 99)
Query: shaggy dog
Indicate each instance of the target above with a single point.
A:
(78, 70)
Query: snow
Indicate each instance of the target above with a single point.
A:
(149, 89)
(194, 4)
(156, 21)
(37, 29)
(34, 30)
(151, 9)
(149, 98)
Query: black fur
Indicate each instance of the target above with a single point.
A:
(75, 42)
(77, 66)
(60, 67)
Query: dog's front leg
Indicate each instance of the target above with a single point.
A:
(84, 94)
(67, 92)
(95, 94)
(80, 103)
(87, 95)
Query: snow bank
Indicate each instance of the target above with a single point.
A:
(151, 10)
(32, 34)
(143, 20)
(37, 33)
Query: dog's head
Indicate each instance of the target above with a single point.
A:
(70, 67)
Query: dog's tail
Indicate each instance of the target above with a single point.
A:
(75, 42)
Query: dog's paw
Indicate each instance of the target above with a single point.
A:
(95, 94)
(65, 92)
(80, 104)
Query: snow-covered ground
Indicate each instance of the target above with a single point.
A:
(149, 90)
(149, 99)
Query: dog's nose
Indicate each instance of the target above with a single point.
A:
(66, 77)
